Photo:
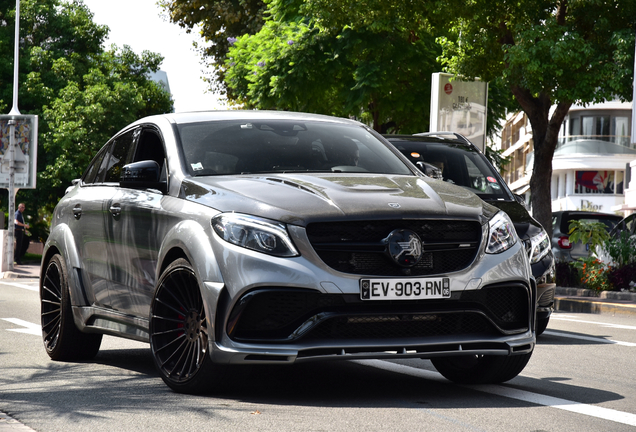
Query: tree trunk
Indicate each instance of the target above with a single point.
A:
(545, 134)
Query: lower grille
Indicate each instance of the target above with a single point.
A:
(290, 315)
(401, 326)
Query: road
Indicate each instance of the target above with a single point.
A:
(580, 378)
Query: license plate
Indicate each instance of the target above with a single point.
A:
(404, 289)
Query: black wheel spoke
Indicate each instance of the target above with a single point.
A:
(179, 335)
(51, 305)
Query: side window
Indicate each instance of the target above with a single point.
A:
(91, 174)
(120, 155)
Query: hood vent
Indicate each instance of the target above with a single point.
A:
(292, 184)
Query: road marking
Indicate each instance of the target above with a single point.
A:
(588, 338)
(522, 395)
(568, 318)
(30, 328)
(19, 285)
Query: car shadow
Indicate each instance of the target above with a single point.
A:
(562, 337)
(125, 380)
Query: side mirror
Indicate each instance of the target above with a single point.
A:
(143, 175)
(429, 170)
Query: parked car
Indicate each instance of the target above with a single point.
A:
(562, 248)
(256, 237)
(453, 158)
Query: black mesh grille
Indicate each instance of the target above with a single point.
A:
(360, 247)
(288, 315)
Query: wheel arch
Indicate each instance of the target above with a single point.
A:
(61, 241)
(190, 241)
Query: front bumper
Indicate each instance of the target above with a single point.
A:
(295, 310)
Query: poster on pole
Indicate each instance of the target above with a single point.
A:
(26, 149)
(459, 106)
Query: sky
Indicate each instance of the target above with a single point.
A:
(140, 25)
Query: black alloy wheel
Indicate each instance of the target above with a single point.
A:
(62, 339)
(179, 331)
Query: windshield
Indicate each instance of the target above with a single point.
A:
(459, 165)
(279, 146)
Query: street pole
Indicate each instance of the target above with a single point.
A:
(634, 104)
(11, 216)
(16, 60)
(12, 124)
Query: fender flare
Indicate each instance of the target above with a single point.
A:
(191, 239)
(61, 240)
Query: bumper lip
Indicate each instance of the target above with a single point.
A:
(399, 349)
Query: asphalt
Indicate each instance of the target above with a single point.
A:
(566, 299)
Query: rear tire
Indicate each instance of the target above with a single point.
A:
(179, 331)
(481, 369)
(62, 339)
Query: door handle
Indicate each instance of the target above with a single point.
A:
(77, 211)
(115, 209)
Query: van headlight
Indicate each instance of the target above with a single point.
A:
(254, 233)
(502, 235)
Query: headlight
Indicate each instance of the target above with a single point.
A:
(502, 235)
(538, 247)
(254, 233)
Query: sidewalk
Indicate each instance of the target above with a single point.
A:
(26, 270)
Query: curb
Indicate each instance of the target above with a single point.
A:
(16, 275)
(587, 301)
(581, 305)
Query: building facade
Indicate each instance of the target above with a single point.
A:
(593, 162)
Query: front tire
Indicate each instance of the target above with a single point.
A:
(179, 331)
(481, 369)
(62, 339)
(542, 325)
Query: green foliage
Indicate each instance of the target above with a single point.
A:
(594, 233)
(383, 78)
(81, 93)
(621, 249)
(218, 22)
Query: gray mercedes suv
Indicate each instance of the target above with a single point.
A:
(255, 237)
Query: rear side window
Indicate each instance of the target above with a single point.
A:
(120, 155)
(96, 169)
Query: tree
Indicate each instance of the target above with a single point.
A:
(550, 54)
(81, 93)
(219, 22)
(380, 77)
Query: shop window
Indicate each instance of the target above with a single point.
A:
(598, 182)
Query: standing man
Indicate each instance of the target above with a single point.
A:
(20, 227)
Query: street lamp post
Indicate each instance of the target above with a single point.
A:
(12, 143)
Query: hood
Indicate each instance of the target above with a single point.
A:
(300, 199)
